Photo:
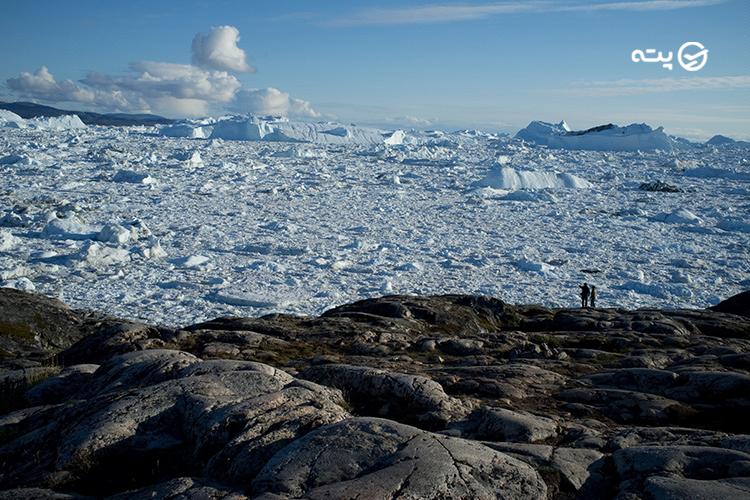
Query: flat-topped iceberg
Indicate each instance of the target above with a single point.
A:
(610, 137)
(634, 137)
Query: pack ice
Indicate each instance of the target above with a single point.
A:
(242, 215)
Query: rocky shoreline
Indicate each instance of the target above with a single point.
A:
(397, 397)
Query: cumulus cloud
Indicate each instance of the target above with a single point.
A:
(43, 85)
(218, 50)
(271, 101)
(178, 90)
(181, 81)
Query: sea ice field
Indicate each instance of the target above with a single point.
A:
(179, 224)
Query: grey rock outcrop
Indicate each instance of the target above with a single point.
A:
(374, 459)
(395, 397)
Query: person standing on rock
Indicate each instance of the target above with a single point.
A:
(584, 295)
(592, 296)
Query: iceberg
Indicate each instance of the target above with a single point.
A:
(510, 178)
(540, 132)
(634, 137)
(280, 129)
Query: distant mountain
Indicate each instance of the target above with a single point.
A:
(32, 110)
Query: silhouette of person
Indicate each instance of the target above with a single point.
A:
(592, 296)
(584, 295)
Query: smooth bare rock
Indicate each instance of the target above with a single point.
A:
(502, 424)
(139, 369)
(739, 442)
(395, 395)
(679, 488)
(645, 403)
(31, 321)
(623, 406)
(261, 426)
(712, 323)
(697, 462)
(516, 380)
(220, 350)
(62, 387)
(654, 359)
(577, 465)
(371, 458)
(661, 436)
(461, 347)
(537, 455)
(39, 494)
(110, 342)
(633, 379)
(216, 366)
(450, 313)
(168, 411)
(654, 322)
(709, 386)
(112, 438)
(581, 320)
(738, 304)
(182, 488)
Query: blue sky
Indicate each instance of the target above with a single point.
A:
(493, 66)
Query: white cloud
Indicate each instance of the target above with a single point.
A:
(218, 50)
(434, 13)
(271, 101)
(181, 81)
(43, 85)
(177, 90)
(413, 121)
(301, 109)
(656, 85)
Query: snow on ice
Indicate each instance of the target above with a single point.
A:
(245, 216)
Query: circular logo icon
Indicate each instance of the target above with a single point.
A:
(692, 62)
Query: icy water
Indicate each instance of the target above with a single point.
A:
(176, 230)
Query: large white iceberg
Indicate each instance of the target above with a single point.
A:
(635, 137)
(540, 132)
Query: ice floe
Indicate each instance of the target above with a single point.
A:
(246, 216)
